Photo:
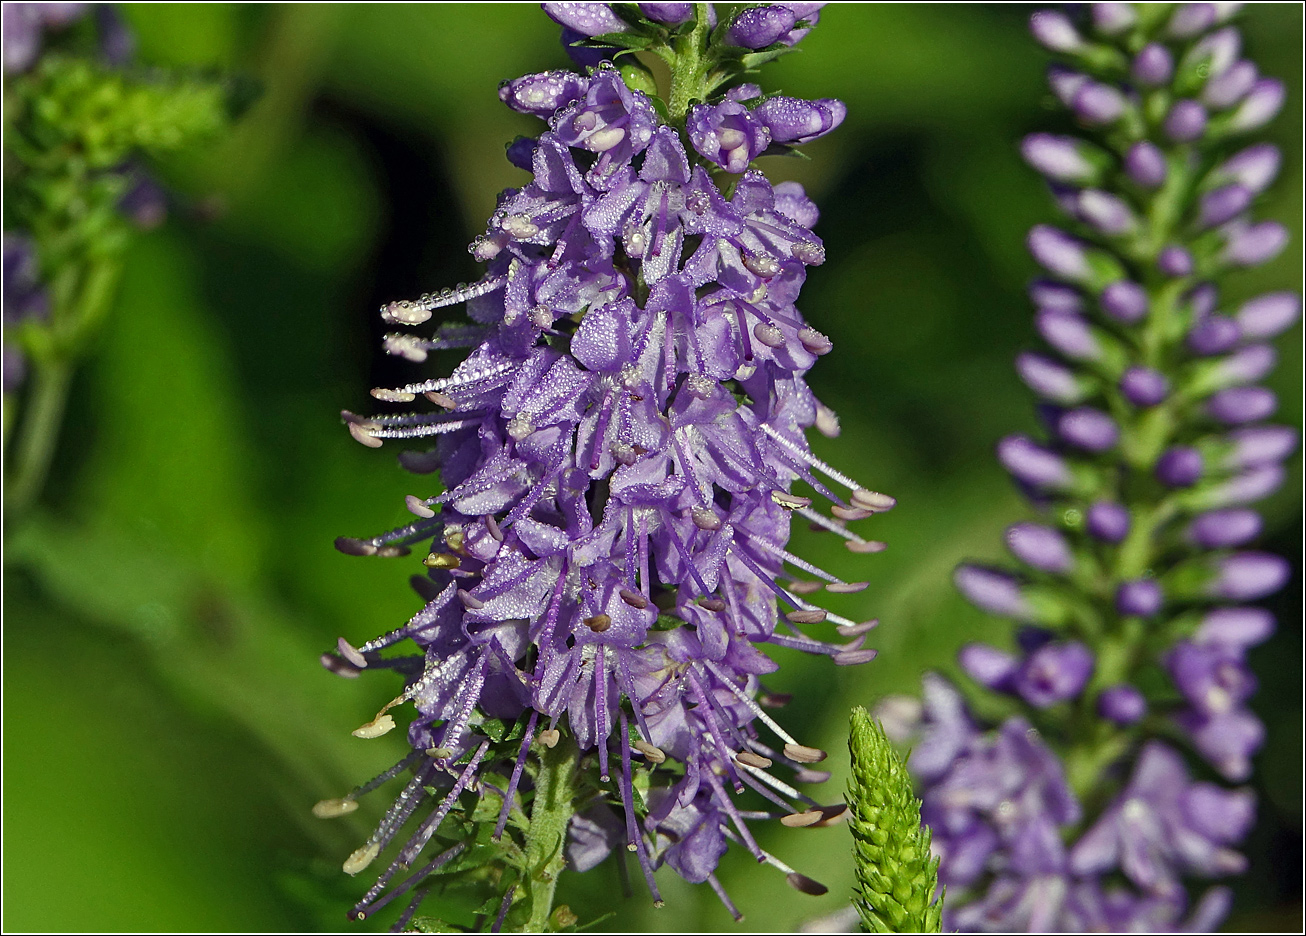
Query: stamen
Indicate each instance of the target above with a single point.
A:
(846, 588)
(856, 630)
(801, 820)
(349, 653)
(803, 754)
(549, 737)
(810, 459)
(332, 808)
(825, 523)
(753, 760)
(417, 506)
(382, 724)
(361, 858)
(392, 396)
(806, 616)
(415, 312)
(503, 910)
(751, 704)
(652, 754)
(424, 832)
(725, 898)
(516, 777)
(365, 907)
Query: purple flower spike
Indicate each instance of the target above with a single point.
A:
(1069, 334)
(1054, 31)
(1033, 464)
(1122, 704)
(1186, 121)
(1222, 529)
(1258, 445)
(1174, 261)
(1049, 379)
(1108, 522)
(1214, 335)
(1180, 467)
(1145, 165)
(759, 27)
(988, 666)
(727, 134)
(668, 14)
(1269, 315)
(1144, 387)
(1223, 204)
(1238, 405)
(991, 591)
(1259, 107)
(1141, 598)
(1227, 89)
(1089, 429)
(588, 19)
(1098, 104)
(1248, 576)
(1054, 673)
(1253, 244)
(1060, 158)
(1125, 301)
(1041, 547)
(1153, 65)
(1058, 252)
(793, 120)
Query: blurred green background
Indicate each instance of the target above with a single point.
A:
(167, 724)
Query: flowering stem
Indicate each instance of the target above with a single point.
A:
(551, 811)
(689, 70)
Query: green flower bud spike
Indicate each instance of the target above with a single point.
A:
(896, 874)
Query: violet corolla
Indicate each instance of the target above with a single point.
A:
(1083, 810)
(606, 550)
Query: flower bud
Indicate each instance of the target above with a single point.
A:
(1221, 529)
(1153, 65)
(727, 134)
(1061, 158)
(1108, 522)
(1180, 466)
(1144, 387)
(1088, 429)
(1145, 165)
(1122, 704)
(1054, 673)
(1258, 107)
(1186, 121)
(1051, 380)
(1097, 104)
(588, 19)
(1235, 627)
(988, 666)
(793, 120)
(1223, 204)
(1041, 547)
(1213, 335)
(1124, 301)
(1227, 89)
(1032, 464)
(1248, 576)
(1237, 405)
(1141, 598)
(1069, 334)
(1253, 244)
(1174, 261)
(668, 14)
(1106, 213)
(759, 27)
(1058, 252)
(1268, 315)
(1055, 32)
(1258, 445)
(544, 93)
(992, 591)
(1190, 19)
(1113, 18)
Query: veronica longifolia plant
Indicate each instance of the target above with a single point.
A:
(1083, 810)
(616, 458)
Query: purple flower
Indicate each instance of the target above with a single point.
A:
(760, 26)
(1108, 522)
(1144, 387)
(1041, 547)
(588, 19)
(993, 592)
(1122, 704)
(727, 134)
(793, 120)
(1140, 598)
(544, 93)
(1053, 673)
(1145, 165)
(669, 14)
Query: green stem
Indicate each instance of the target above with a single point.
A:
(39, 434)
(689, 73)
(551, 811)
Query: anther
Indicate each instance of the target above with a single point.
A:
(405, 312)
(362, 858)
(705, 518)
(775, 700)
(349, 653)
(799, 587)
(418, 506)
(854, 657)
(802, 754)
(333, 664)
(845, 588)
(408, 347)
(803, 884)
(768, 335)
(827, 422)
(441, 561)
(393, 396)
(865, 546)
(806, 616)
(808, 252)
(856, 630)
(442, 399)
(814, 341)
(362, 435)
(470, 601)
(807, 775)
(492, 526)
(790, 501)
(872, 500)
(762, 265)
(351, 546)
(439, 753)
(652, 754)
(850, 513)
(378, 726)
(713, 604)
(634, 599)
(832, 815)
(598, 623)
(541, 317)
(520, 426)
(331, 808)
(549, 737)
(801, 820)
(751, 759)
(392, 552)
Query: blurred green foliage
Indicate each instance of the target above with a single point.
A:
(167, 725)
